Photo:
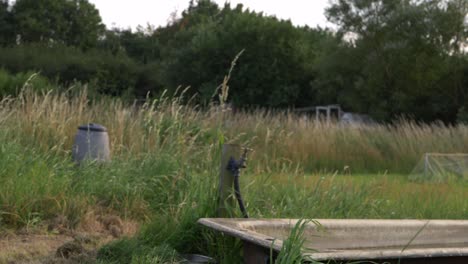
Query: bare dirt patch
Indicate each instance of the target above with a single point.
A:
(25, 248)
(52, 242)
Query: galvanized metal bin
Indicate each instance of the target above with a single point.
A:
(91, 144)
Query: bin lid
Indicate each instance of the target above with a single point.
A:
(93, 127)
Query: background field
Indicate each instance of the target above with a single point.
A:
(164, 172)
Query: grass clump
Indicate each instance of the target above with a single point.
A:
(129, 251)
(32, 186)
(291, 250)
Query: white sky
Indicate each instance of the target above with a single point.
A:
(125, 13)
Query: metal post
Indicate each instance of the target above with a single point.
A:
(226, 180)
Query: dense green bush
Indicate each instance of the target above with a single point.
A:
(11, 84)
(112, 74)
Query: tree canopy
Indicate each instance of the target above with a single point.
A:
(387, 58)
(274, 69)
(69, 22)
(6, 24)
(409, 56)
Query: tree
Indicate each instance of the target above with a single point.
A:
(274, 71)
(6, 24)
(405, 53)
(85, 25)
(142, 45)
(70, 22)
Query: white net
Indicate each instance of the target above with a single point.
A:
(441, 167)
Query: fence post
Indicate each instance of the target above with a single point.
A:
(226, 180)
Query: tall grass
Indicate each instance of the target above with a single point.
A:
(165, 160)
(282, 141)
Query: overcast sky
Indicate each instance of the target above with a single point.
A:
(132, 13)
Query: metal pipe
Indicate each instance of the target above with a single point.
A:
(239, 196)
(235, 166)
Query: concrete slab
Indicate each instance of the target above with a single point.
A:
(356, 239)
